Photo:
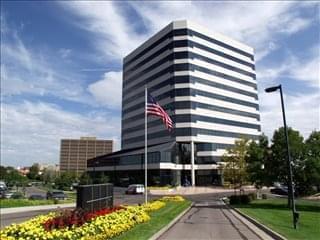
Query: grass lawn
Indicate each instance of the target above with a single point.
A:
(275, 214)
(158, 220)
(9, 203)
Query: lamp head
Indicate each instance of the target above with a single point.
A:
(272, 89)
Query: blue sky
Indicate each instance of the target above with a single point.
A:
(61, 65)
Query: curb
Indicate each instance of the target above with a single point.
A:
(168, 226)
(261, 226)
(5, 211)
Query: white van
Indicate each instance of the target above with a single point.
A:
(135, 189)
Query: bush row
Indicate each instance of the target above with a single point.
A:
(242, 199)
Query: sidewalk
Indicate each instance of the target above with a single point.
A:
(213, 220)
(4, 211)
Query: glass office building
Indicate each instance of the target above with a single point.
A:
(207, 84)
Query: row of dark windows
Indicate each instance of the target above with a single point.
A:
(184, 55)
(212, 146)
(194, 118)
(189, 132)
(189, 67)
(136, 159)
(189, 79)
(185, 118)
(195, 105)
(207, 159)
(183, 32)
(192, 92)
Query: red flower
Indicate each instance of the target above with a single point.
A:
(75, 217)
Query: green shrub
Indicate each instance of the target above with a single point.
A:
(234, 199)
(252, 196)
(17, 195)
(245, 199)
(239, 199)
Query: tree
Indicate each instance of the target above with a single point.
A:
(235, 169)
(12, 177)
(312, 162)
(65, 180)
(34, 172)
(277, 166)
(85, 179)
(256, 158)
(48, 175)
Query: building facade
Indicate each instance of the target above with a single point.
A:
(74, 153)
(207, 84)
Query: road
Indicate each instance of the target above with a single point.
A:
(210, 220)
(120, 198)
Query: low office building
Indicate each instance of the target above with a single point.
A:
(74, 153)
(206, 82)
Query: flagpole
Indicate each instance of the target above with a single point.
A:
(146, 147)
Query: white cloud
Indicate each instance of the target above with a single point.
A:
(31, 132)
(256, 24)
(33, 71)
(305, 69)
(65, 52)
(108, 91)
(302, 112)
(114, 35)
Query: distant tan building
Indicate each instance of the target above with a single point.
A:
(74, 153)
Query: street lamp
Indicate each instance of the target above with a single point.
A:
(290, 180)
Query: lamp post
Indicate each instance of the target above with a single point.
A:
(295, 214)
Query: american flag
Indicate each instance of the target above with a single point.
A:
(153, 108)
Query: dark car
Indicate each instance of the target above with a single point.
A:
(36, 197)
(279, 190)
(56, 195)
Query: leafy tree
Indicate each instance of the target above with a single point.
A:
(312, 162)
(277, 167)
(85, 179)
(65, 180)
(12, 177)
(235, 169)
(256, 158)
(101, 178)
(34, 172)
(48, 175)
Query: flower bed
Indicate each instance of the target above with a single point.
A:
(77, 217)
(105, 223)
(173, 198)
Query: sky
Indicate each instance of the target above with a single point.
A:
(61, 65)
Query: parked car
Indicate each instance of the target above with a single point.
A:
(2, 192)
(282, 190)
(36, 197)
(8, 194)
(17, 195)
(135, 189)
(3, 186)
(279, 190)
(56, 194)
